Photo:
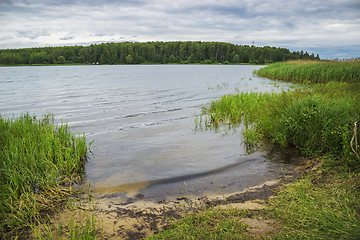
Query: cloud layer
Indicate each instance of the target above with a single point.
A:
(330, 28)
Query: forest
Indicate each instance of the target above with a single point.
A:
(151, 52)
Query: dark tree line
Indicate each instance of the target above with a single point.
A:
(151, 52)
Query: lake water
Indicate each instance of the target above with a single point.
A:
(142, 121)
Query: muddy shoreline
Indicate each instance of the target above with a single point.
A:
(139, 218)
(266, 164)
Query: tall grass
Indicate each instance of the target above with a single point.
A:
(316, 120)
(38, 162)
(319, 210)
(313, 71)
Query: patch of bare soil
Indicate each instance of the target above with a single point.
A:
(141, 219)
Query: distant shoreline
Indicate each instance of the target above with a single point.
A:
(124, 64)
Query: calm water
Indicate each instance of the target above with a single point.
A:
(142, 120)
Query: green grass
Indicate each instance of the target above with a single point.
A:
(319, 206)
(315, 120)
(76, 220)
(39, 164)
(319, 120)
(313, 71)
(208, 224)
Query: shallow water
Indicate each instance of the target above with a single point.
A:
(142, 121)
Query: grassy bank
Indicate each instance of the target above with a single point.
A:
(313, 71)
(315, 120)
(319, 120)
(39, 164)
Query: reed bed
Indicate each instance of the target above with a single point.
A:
(316, 120)
(39, 164)
(313, 71)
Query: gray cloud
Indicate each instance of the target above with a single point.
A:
(328, 27)
(33, 34)
(68, 37)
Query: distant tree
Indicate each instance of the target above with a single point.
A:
(152, 52)
(114, 59)
(139, 59)
(236, 59)
(252, 57)
(171, 59)
(68, 54)
(261, 59)
(39, 58)
(103, 60)
(129, 59)
(61, 60)
(164, 59)
(191, 58)
(306, 55)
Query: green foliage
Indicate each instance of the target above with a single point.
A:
(61, 60)
(150, 52)
(325, 210)
(81, 222)
(313, 71)
(129, 59)
(316, 120)
(37, 162)
(209, 224)
(191, 58)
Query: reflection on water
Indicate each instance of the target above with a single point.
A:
(142, 121)
(266, 162)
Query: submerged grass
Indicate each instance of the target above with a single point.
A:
(320, 120)
(39, 163)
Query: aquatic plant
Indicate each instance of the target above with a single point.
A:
(316, 119)
(313, 71)
(39, 162)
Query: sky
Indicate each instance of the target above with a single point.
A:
(330, 28)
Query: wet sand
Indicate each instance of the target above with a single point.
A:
(138, 217)
(266, 164)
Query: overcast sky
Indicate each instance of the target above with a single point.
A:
(330, 28)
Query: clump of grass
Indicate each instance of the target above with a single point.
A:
(77, 220)
(315, 120)
(39, 163)
(314, 71)
(209, 224)
(319, 207)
